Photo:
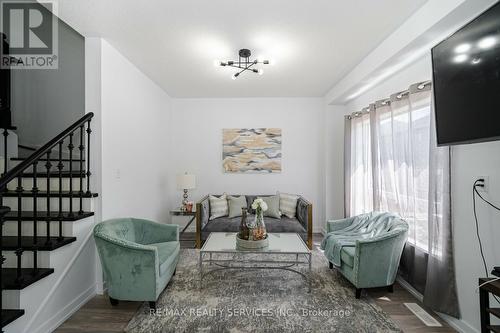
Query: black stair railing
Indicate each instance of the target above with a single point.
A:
(19, 172)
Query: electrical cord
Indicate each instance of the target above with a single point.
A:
(474, 192)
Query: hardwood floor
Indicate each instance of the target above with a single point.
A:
(100, 317)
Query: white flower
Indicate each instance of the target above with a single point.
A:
(259, 203)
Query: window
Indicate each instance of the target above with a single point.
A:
(390, 162)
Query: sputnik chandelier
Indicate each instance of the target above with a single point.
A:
(244, 63)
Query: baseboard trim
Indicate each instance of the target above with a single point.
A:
(457, 324)
(60, 317)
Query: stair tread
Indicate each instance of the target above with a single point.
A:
(42, 215)
(9, 243)
(9, 277)
(29, 194)
(66, 159)
(54, 173)
(494, 328)
(9, 315)
(4, 210)
(494, 311)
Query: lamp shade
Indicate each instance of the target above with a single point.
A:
(186, 182)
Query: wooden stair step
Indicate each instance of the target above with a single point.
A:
(9, 315)
(54, 173)
(42, 216)
(494, 328)
(66, 159)
(4, 210)
(53, 194)
(494, 311)
(9, 277)
(9, 243)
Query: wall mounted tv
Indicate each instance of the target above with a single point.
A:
(466, 75)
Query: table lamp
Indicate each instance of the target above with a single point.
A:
(185, 182)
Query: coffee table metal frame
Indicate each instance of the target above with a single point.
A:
(299, 257)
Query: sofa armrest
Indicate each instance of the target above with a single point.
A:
(202, 215)
(128, 266)
(336, 225)
(304, 215)
(155, 232)
(377, 259)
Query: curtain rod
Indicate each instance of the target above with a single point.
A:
(414, 88)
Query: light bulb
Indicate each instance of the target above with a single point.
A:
(271, 62)
(217, 63)
(460, 58)
(462, 48)
(260, 71)
(487, 42)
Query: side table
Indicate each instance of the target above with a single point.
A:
(487, 287)
(178, 212)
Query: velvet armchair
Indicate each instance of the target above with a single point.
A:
(138, 257)
(366, 248)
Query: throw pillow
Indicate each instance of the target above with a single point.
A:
(218, 206)
(273, 206)
(236, 204)
(288, 204)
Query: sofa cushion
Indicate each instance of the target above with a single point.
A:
(347, 255)
(236, 203)
(273, 206)
(225, 224)
(288, 204)
(250, 200)
(167, 252)
(218, 206)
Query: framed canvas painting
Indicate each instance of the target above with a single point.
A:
(251, 150)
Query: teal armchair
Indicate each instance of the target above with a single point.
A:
(138, 257)
(369, 248)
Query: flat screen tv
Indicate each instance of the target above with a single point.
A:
(466, 75)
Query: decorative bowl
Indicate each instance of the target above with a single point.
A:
(244, 244)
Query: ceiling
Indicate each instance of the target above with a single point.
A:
(312, 43)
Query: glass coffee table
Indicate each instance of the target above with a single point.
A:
(286, 251)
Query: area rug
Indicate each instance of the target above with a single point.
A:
(259, 301)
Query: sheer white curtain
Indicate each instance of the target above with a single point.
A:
(401, 160)
(361, 178)
(394, 165)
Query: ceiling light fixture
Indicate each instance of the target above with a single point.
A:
(244, 63)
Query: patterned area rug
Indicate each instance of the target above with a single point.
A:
(259, 301)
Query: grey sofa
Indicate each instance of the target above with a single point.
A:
(301, 225)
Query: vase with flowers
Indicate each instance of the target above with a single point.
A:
(259, 227)
(255, 229)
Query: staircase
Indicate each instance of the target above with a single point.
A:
(42, 200)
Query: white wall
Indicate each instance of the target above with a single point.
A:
(334, 161)
(135, 141)
(468, 162)
(197, 132)
(46, 102)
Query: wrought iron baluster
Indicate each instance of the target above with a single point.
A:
(89, 130)
(5, 148)
(19, 251)
(60, 167)
(34, 190)
(81, 148)
(70, 148)
(2, 258)
(48, 165)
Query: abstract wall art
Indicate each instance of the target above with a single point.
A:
(251, 150)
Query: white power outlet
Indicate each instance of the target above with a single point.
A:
(486, 184)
